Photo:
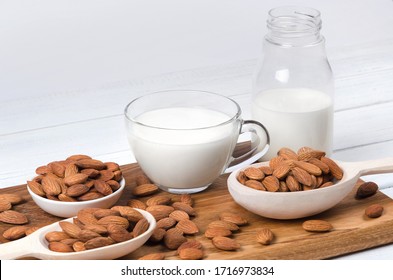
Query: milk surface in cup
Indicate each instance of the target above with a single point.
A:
(186, 148)
(295, 117)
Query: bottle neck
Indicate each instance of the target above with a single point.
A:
(294, 27)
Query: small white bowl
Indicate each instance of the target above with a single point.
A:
(70, 209)
(288, 205)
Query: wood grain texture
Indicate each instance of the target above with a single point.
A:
(352, 230)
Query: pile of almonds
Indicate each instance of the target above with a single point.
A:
(290, 172)
(97, 227)
(77, 178)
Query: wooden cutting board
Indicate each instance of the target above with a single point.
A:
(352, 230)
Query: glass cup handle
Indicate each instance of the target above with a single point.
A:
(260, 143)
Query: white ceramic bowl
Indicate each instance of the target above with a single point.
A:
(289, 205)
(70, 209)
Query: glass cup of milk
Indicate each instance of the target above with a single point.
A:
(184, 139)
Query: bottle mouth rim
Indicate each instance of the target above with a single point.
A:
(294, 19)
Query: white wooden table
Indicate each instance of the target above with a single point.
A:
(37, 129)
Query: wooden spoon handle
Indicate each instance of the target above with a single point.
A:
(369, 167)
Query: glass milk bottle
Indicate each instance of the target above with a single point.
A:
(293, 85)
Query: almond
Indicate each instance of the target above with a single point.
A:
(101, 230)
(70, 169)
(42, 170)
(233, 218)
(302, 176)
(36, 188)
(310, 168)
(106, 175)
(282, 170)
(271, 183)
(117, 175)
(158, 200)
(179, 215)
(225, 243)
(118, 233)
(101, 213)
(77, 157)
(5, 205)
(98, 242)
(105, 221)
(15, 232)
(184, 207)
(51, 186)
(153, 257)
(275, 161)
(265, 236)
(57, 169)
(187, 227)
(12, 198)
(190, 244)
(144, 190)
(305, 155)
(78, 246)
(287, 153)
(174, 238)
(70, 228)
(254, 184)
(90, 195)
(157, 235)
(76, 190)
(85, 235)
(86, 217)
(191, 254)
(334, 168)
(30, 230)
(266, 170)
(56, 236)
(241, 177)
(323, 166)
(66, 198)
(128, 212)
(91, 173)
(160, 211)
(112, 166)
(75, 179)
(217, 231)
(114, 185)
(317, 226)
(254, 173)
(13, 217)
(366, 189)
(102, 187)
(60, 247)
(141, 226)
(186, 199)
(166, 223)
(374, 211)
(136, 203)
(90, 163)
(223, 224)
(283, 187)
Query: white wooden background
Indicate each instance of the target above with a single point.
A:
(68, 68)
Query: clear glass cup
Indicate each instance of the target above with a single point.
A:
(184, 139)
(293, 88)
